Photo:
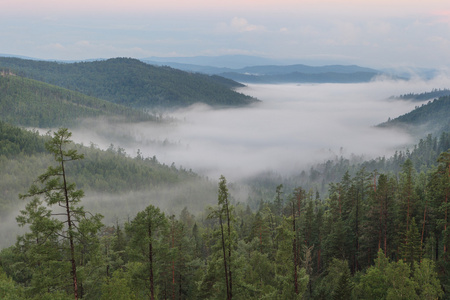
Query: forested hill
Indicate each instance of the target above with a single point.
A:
(131, 82)
(23, 156)
(432, 117)
(435, 93)
(32, 103)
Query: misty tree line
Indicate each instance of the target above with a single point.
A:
(376, 236)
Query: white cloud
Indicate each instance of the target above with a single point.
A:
(242, 25)
(83, 43)
(55, 46)
(439, 41)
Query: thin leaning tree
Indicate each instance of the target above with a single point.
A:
(58, 218)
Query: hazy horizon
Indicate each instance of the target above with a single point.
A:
(372, 33)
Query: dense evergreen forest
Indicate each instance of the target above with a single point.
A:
(131, 82)
(105, 174)
(431, 117)
(375, 235)
(31, 103)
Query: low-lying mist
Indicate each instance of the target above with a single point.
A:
(294, 126)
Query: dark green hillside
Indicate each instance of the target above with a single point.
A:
(131, 82)
(23, 157)
(33, 103)
(14, 141)
(433, 117)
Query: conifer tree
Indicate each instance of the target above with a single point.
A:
(146, 231)
(411, 249)
(223, 212)
(69, 223)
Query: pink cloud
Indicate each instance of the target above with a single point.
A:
(154, 6)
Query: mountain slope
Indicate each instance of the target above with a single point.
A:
(23, 157)
(433, 117)
(131, 82)
(28, 102)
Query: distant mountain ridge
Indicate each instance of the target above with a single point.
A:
(131, 82)
(221, 61)
(272, 73)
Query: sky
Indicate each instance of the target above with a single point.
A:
(373, 33)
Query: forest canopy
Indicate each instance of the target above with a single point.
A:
(374, 235)
(131, 82)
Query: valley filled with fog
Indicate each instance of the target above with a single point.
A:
(293, 127)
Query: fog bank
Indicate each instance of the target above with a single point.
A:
(293, 127)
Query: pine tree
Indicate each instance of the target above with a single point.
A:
(344, 287)
(70, 222)
(146, 231)
(223, 212)
(410, 249)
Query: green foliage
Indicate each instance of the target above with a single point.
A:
(131, 82)
(344, 287)
(117, 287)
(433, 115)
(110, 172)
(148, 248)
(53, 245)
(15, 141)
(428, 285)
(394, 280)
(9, 290)
(377, 236)
(31, 103)
(336, 284)
(411, 249)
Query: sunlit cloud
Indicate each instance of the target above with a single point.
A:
(53, 46)
(242, 25)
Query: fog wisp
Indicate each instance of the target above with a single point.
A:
(293, 127)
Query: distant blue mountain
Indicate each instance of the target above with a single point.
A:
(223, 61)
(256, 69)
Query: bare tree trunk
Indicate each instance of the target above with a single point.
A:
(423, 225)
(229, 248)
(380, 225)
(445, 222)
(224, 258)
(294, 249)
(173, 263)
(150, 259)
(69, 224)
(385, 225)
